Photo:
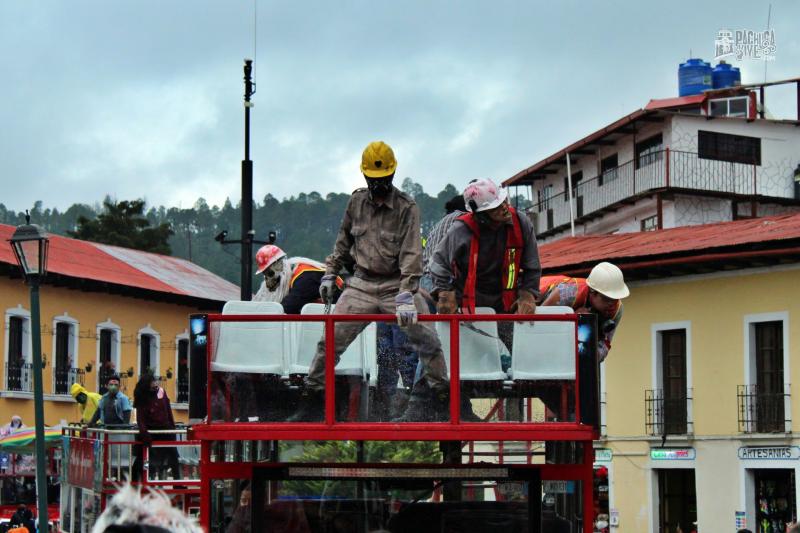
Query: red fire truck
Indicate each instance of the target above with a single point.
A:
(523, 462)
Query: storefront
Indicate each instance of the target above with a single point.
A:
(674, 490)
(770, 474)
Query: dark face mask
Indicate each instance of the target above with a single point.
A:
(379, 188)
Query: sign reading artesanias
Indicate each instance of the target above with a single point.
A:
(769, 452)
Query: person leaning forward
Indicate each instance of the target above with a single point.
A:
(379, 236)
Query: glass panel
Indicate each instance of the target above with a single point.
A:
(419, 504)
(562, 505)
(29, 254)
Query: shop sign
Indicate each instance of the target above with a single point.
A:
(80, 466)
(558, 487)
(769, 452)
(672, 454)
(740, 519)
(603, 455)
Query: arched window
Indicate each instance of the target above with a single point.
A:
(19, 369)
(65, 354)
(108, 353)
(149, 342)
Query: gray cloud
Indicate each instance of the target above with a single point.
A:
(143, 99)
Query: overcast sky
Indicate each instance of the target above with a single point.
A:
(144, 98)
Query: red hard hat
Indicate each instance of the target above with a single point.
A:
(267, 255)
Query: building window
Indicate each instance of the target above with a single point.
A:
(182, 384)
(608, 169)
(576, 179)
(668, 405)
(727, 147)
(545, 194)
(108, 337)
(65, 373)
(770, 414)
(649, 151)
(729, 107)
(650, 223)
(148, 351)
(18, 365)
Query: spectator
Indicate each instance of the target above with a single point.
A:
(11, 427)
(131, 512)
(114, 407)
(87, 401)
(154, 412)
(23, 517)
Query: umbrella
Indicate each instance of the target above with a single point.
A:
(23, 440)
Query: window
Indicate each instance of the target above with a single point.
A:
(545, 194)
(608, 169)
(650, 223)
(63, 367)
(673, 372)
(148, 351)
(17, 368)
(108, 337)
(769, 377)
(576, 178)
(727, 147)
(649, 151)
(729, 107)
(182, 384)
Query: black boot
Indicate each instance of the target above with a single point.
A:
(426, 405)
(311, 407)
(467, 414)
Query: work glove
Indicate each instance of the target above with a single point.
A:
(406, 310)
(525, 304)
(327, 287)
(447, 303)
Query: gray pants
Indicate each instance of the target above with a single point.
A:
(363, 296)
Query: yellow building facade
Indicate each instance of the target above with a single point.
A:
(104, 311)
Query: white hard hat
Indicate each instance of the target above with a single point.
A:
(482, 195)
(607, 279)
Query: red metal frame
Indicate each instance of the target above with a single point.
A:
(454, 430)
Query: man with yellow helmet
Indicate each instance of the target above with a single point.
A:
(379, 240)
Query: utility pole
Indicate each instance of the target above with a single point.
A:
(248, 233)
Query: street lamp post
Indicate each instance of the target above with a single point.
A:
(30, 244)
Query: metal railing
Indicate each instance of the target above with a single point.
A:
(64, 377)
(19, 376)
(182, 387)
(666, 169)
(119, 455)
(763, 412)
(666, 416)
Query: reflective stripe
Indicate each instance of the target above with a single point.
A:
(512, 269)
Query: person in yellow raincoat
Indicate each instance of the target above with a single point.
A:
(87, 401)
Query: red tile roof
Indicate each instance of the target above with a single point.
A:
(679, 101)
(673, 246)
(126, 267)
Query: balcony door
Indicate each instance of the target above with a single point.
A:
(673, 373)
(63, 364)
(769, 377)
(15, 366)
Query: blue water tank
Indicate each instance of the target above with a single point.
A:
(694, 77)
(725, 75)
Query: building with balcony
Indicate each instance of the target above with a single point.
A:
(105, 311)
(699, 159)
(699, 419)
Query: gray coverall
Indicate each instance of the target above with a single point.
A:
(382, 241)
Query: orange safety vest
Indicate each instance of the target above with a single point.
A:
(547, 283)
(302, 268)
(511, 262)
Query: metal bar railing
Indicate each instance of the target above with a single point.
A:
(65, 377)
(666, 416)
(19, 376)
(762, 412)
(330, 419)
(664, 169)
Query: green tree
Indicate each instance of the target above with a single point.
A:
(124, 224)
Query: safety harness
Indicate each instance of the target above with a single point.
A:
(511, 262)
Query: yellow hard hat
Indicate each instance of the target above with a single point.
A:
(378, 160)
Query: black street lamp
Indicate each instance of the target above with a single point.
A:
(30, 244)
